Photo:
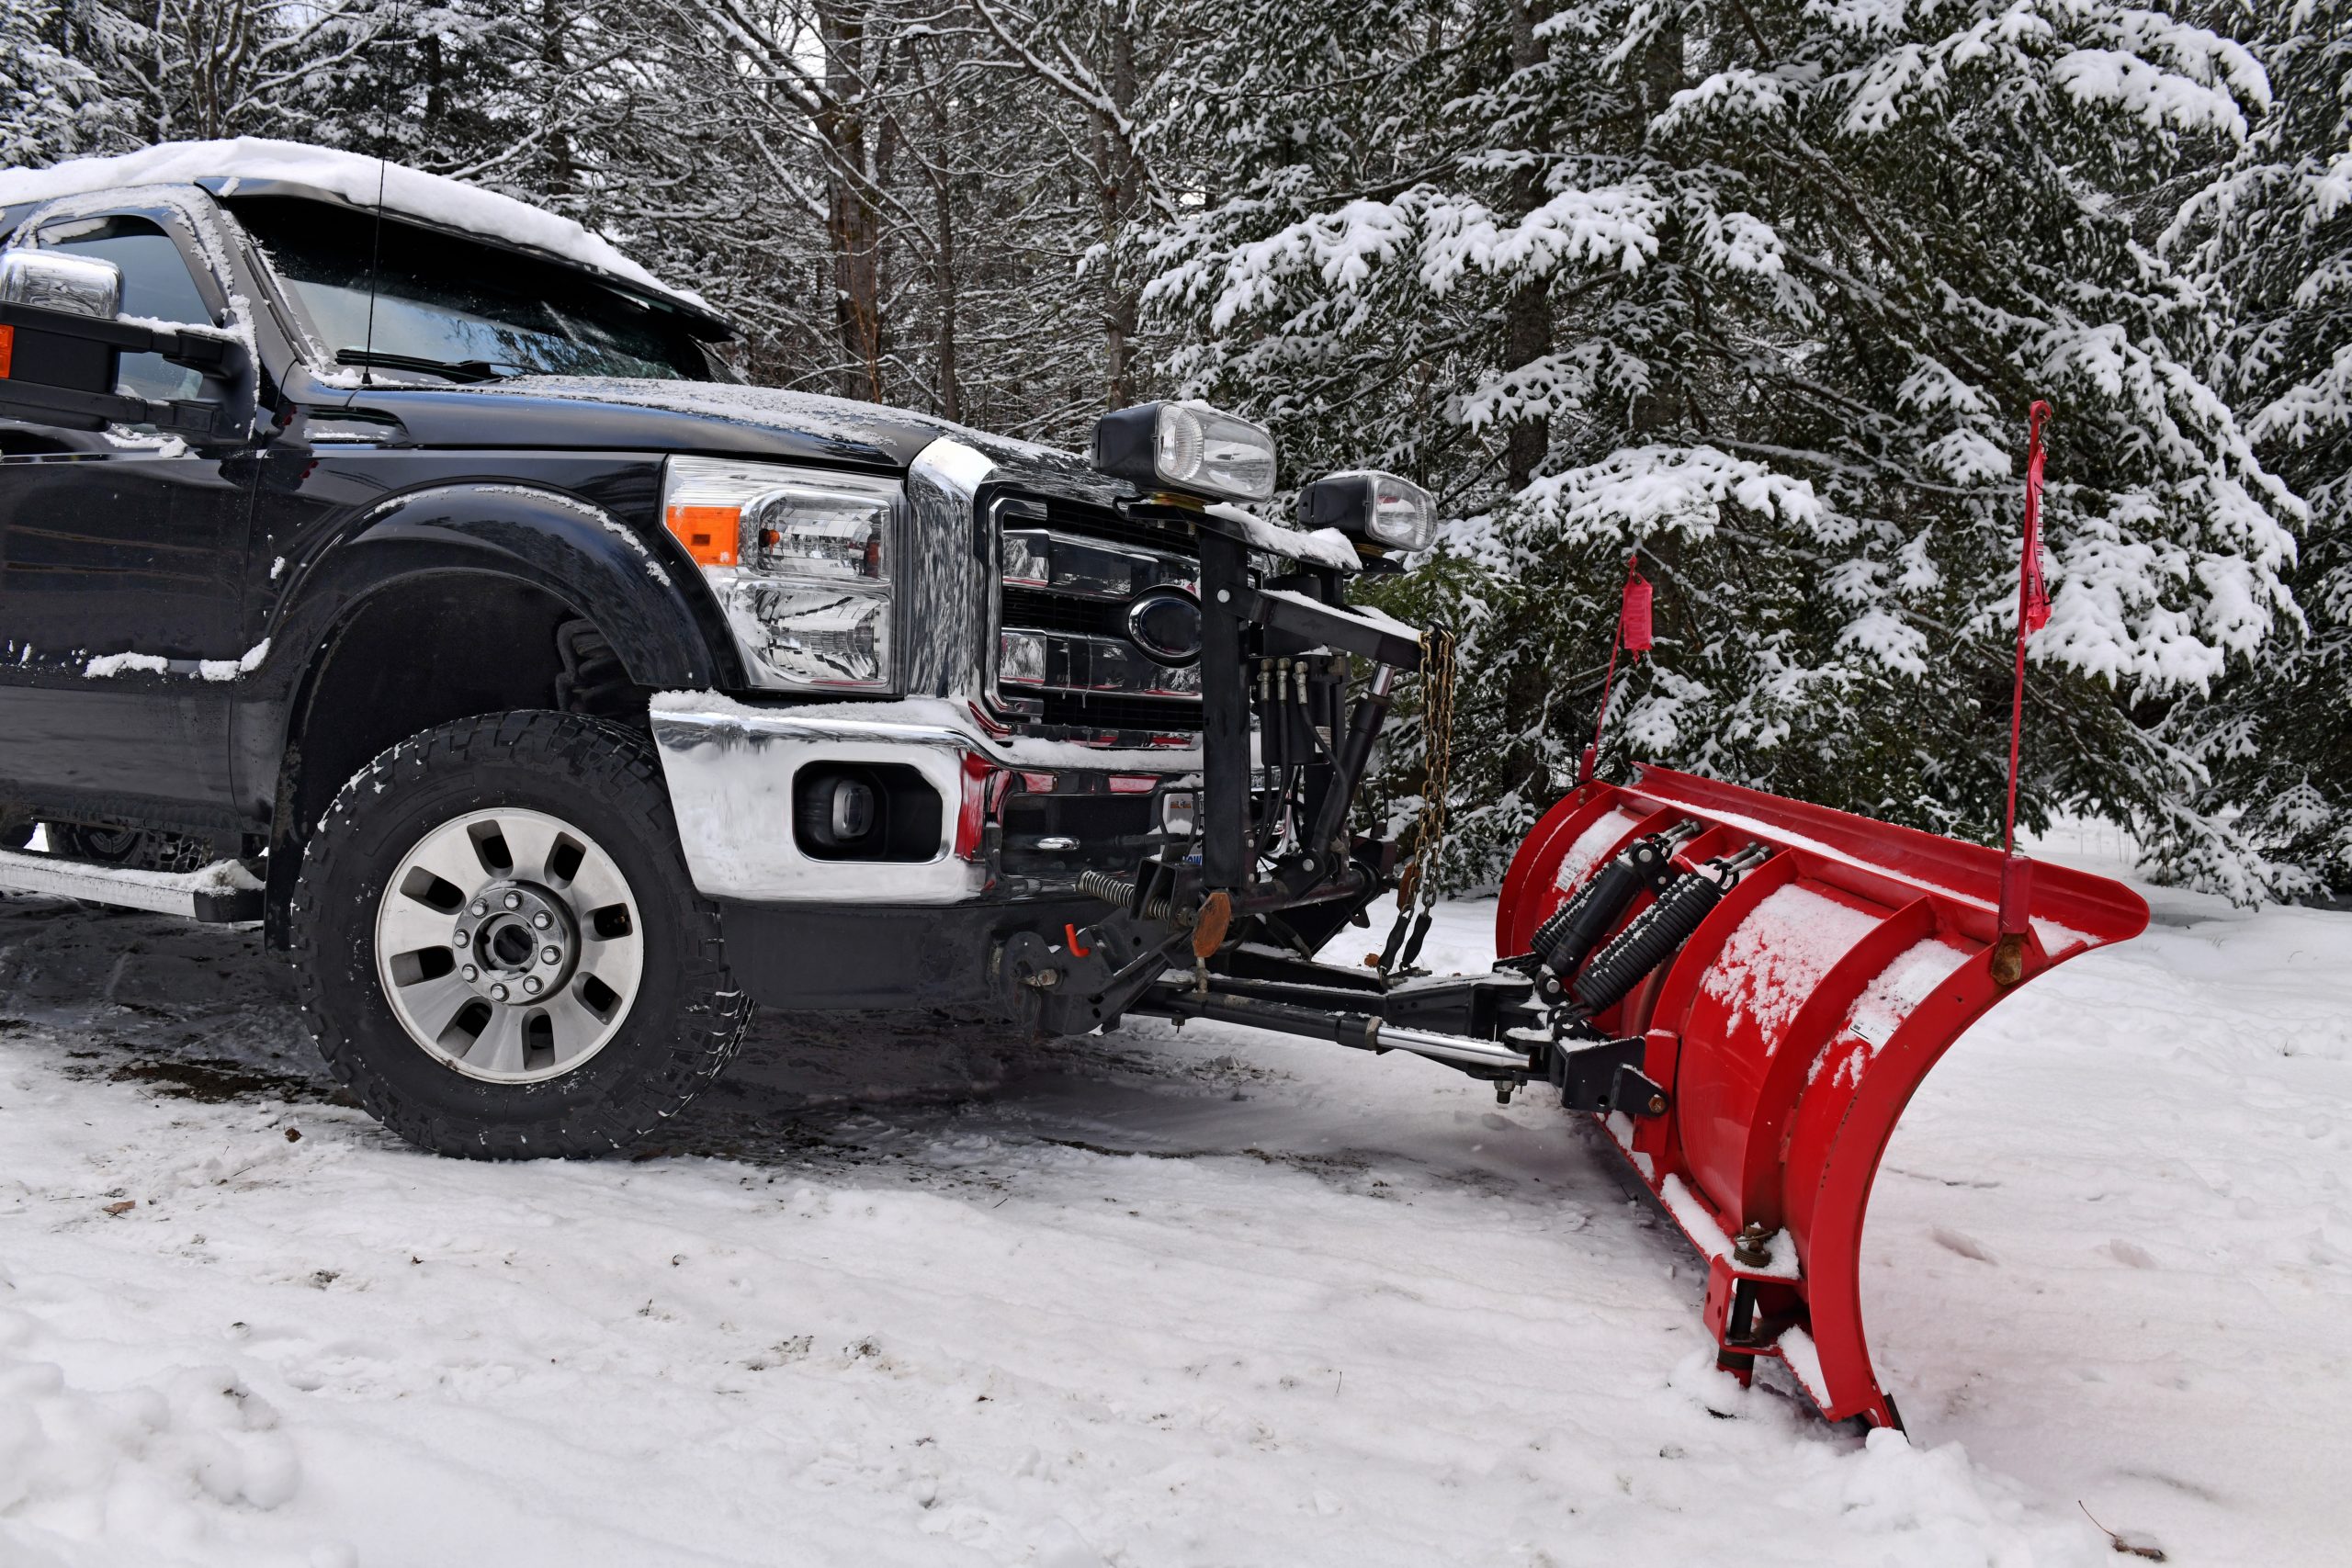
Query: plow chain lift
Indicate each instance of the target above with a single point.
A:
(1744, 989)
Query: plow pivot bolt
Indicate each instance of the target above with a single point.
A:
(542, 920)
(1754, 1247)
(514, 900)
(498, 993)
(1658, 1105)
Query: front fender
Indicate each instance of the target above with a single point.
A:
(643, 593)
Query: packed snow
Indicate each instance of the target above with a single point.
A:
(1593, 846)
(1902, 986)
(1778, 955)
(105, 666)
(943, 1297)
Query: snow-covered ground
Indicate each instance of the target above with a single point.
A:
(1162, 1298)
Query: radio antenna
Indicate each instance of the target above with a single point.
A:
(376, 236)
(375, 261)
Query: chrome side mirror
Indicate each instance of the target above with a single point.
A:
(54, 280)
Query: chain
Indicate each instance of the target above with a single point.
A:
(1416, 884)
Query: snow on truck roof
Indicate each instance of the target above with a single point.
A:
(411, 193)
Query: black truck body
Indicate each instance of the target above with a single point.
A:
(1062, 730)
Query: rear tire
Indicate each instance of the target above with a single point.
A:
(630, 1011)
(128, 845)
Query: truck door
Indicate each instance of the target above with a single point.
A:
(121, 564)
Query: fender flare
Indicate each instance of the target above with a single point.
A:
(638, 588)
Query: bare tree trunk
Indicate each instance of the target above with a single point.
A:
(1527, 328)
(945, 281)
(563, 172)
(1115, 162)
(852, 227)
(436, 87)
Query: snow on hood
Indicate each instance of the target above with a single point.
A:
(811, 413)
(845, 419)
(410, 192)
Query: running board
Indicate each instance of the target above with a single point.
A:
(223, 893)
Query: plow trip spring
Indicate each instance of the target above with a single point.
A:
(1747, 990)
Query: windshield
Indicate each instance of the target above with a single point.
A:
(447, 308)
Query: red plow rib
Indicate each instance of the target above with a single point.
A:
(1790, 1032)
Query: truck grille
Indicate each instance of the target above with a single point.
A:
(1079, 591)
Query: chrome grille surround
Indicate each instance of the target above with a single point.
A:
(1063, 582)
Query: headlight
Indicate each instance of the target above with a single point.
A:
(800, 562)
(1386, 508)
(1187, 447)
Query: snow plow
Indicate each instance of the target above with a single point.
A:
(1825, 963)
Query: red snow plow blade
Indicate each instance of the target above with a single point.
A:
(1789, 1032)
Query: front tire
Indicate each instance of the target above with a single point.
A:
(499, 949)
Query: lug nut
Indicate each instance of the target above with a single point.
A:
(532, 983)
(514, 900)
(498, 993)
(461, 938)
(470, 973)
(542, 921)
(481, 907)
(550, 955)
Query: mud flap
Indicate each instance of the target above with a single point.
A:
(1790, 1033)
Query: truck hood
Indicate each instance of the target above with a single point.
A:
(606, 412)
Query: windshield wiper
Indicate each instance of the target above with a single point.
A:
(455, 369)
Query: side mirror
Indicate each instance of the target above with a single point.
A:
(54, 281)
(61, 339)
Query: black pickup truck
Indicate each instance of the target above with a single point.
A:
(395, 564)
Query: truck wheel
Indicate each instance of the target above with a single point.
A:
(497, 945)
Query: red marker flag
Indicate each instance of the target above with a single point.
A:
(1633, 631)
(1634, 617)
(2033, 595)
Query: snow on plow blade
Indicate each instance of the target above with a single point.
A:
(1791, 1030)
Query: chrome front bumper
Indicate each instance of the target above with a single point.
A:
(730, 769)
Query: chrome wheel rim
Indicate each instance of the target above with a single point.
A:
(509, 946)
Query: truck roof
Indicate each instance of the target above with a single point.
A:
(255, 165)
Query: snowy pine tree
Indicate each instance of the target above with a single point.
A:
(52, 105)
(2272, 238)
(1759, 290)
(1762, 292)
